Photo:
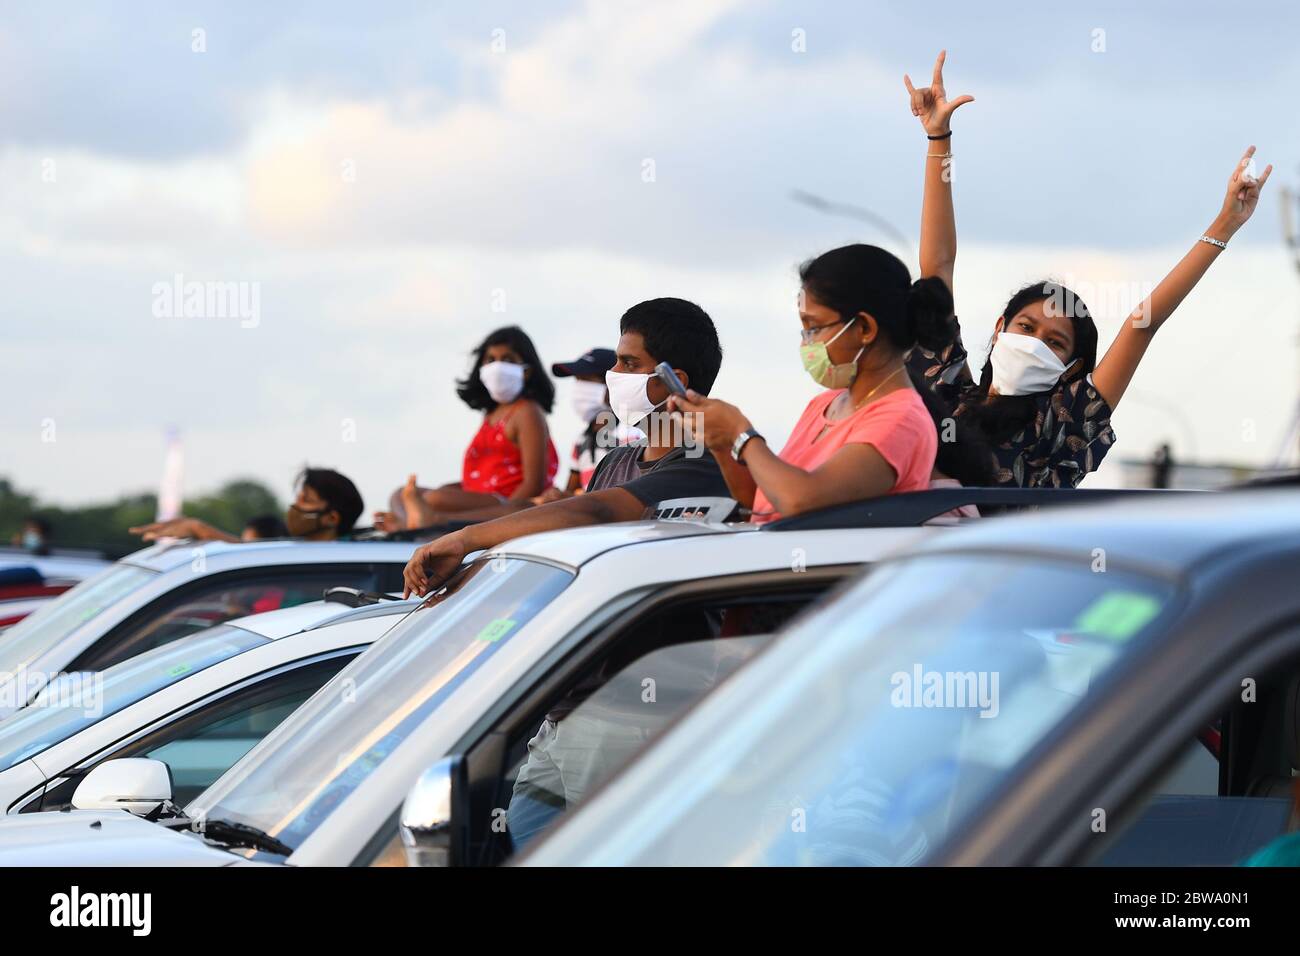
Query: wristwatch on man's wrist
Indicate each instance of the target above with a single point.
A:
(741, 441)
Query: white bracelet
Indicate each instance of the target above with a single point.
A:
(1214, 242)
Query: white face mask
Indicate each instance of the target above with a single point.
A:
(1023, 365)
(503, 380)
(588, 398)
(628, 396)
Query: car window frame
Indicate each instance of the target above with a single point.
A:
(1128, 776)
(1279, 649)
(484, 744)
(89, 658)
(250, 684)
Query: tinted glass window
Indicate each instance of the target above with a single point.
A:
(40, 631)
(570, 757)
(215, 601)
(207, 748)
(872, 730)
(75, 701)
(326, 749)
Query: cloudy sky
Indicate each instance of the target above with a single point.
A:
(395, 180)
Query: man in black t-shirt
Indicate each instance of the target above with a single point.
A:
(678, 474)
(631, 478)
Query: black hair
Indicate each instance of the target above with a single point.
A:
(338, 493)
(863, 278)
(39, 523)
(537, 385)
(968, 457)
(679, 333)
(1002, 416)
(269, 526)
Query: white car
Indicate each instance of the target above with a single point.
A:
(623, 627)
(646, 616)
(165, 592)
(198, 704)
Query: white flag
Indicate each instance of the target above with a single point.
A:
(169, 492)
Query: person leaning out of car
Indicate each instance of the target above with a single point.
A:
(630, 478)
(869, 433)
(589, 395)
(326, 508)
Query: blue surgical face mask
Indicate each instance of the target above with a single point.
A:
(32, 540)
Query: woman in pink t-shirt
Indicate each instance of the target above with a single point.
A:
(869, 433)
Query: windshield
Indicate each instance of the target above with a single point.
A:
(38, 632)
(869, 733)
(73, 702)
(317, 757)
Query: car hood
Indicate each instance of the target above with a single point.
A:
(100, 838)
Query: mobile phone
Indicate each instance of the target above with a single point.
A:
(670, 379)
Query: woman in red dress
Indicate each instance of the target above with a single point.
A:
(511, 458)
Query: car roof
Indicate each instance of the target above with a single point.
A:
(176, 554)
(1169, 535)
(576, 546)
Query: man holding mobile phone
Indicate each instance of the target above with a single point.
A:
(629, 478)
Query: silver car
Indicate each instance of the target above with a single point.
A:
(197, 704)
(622, 627)
(165, 592)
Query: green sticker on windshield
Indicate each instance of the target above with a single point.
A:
(495, 630)
(178, 670)
(1118, 615)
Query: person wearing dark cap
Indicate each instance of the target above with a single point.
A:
(631, 478)
(590, 402)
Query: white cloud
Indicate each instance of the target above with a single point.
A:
(375, 287)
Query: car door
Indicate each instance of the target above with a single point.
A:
(621, 687)
(206, 741)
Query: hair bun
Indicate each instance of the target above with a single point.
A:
(930, 311)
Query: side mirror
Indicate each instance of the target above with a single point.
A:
(432, 819)
(135, 784)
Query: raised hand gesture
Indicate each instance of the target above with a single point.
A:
(930, 103)
(1243, 193)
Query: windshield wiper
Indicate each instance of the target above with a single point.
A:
(166, 813)
(229, 833)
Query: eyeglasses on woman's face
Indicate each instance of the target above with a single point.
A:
(810, 332)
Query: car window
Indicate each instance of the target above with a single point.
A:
(215, 601)
(206, 749)
(41, 630)
(1194, 815)
(75, 701)
(1185, 821)
(201, 746)
(650, 670)
(577, 751)
(874, 728)
(326, 749)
